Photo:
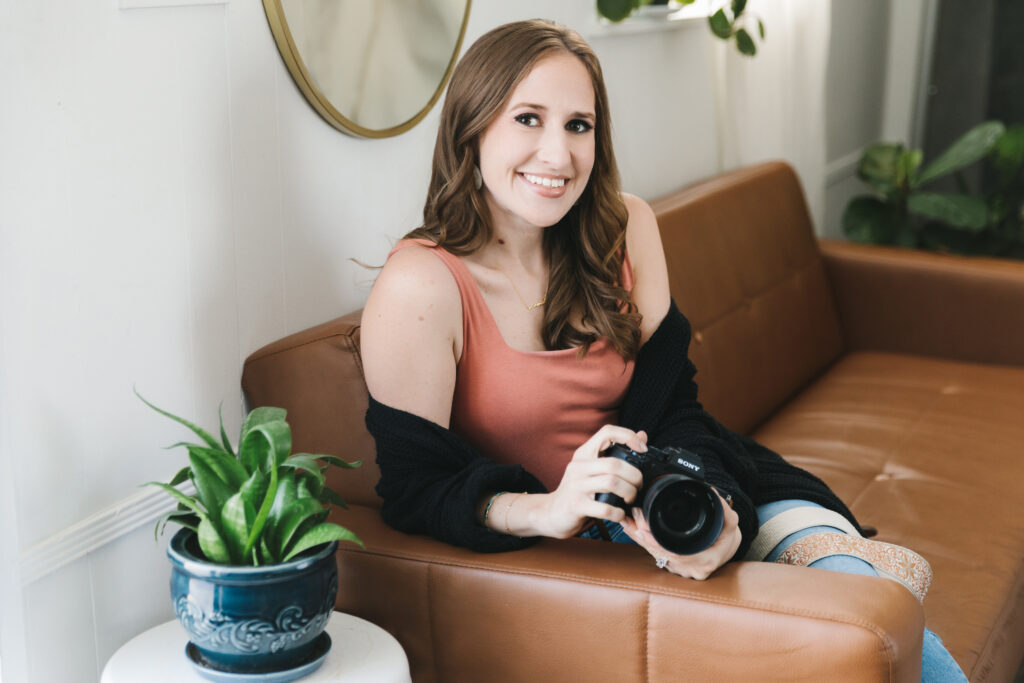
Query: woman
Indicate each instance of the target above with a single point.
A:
(527, 326)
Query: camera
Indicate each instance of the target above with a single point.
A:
(685, 513)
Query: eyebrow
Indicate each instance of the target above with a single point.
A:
(576, 114)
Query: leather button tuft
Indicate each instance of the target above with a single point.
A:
(883, 476)
(698, 337)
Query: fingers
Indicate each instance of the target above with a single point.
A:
(605, 437)
(698, 566)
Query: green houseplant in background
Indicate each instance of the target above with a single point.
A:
(727, 22)
(902, 211)
(253, 570)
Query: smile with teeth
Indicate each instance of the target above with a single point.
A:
(546, 182)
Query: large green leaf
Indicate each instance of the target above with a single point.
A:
(256, 532)
(971, 146)
(880, 165)
(212, 544)
(262, 415)
(236, 518)
(284, 498)
(304, 461)
(301, 510)
(737, 7)
(189, 520)
(329, 496)
(266, 445)
(227, 469)
(873, 221)
(180, 476)
(199, 431)
(254, 489)
(210, 488)
(322, 533)
(958, 210)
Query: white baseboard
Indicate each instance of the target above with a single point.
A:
(96, 531)
(842, 168)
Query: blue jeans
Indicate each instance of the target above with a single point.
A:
(937, 665)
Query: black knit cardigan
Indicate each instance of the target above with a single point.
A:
(432, 479)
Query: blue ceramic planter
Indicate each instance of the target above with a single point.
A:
(253, 619)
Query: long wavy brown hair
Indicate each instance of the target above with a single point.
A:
(585, 250)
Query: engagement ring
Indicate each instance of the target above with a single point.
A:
(662, 562)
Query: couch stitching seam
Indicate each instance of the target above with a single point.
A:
(650, 590)
(647, 638)
(346, 335)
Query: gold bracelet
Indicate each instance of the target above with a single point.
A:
(508, 511)
(487, 510)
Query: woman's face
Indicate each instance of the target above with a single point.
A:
(537, 154)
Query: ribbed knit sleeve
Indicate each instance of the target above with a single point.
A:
(431, 480)
(662, 400)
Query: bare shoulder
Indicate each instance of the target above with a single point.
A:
(410, 332)
(643, 244)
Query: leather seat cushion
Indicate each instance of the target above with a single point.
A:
(929, 451)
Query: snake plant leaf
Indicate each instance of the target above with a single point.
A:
(190, 503)
(199, 431)
(261, 415)
(720, 24)
(879, 166)
(254, 489)
(871, 220)
(971, 146)
(210, 488)
(266, 444)
(266, 557)
(292, 519)
(284, 498)
(212, 544)
(335, 460)
(189, 520)
(227, 469)
(236, 517)
(745, 43)
(180, 476)
(304, 461)
(330, 497)
(256, 531)
(322, 533)
(223, 434)
(958, 210)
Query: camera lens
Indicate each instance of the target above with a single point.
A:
(685, 514)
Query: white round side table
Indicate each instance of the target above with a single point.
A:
(360, 652)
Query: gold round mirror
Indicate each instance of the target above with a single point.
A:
(369, 67)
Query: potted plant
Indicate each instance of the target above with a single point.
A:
(253, 576)
(904, 211)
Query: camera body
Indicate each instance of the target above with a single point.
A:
(684, 512)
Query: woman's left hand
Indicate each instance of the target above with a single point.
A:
(699, 565)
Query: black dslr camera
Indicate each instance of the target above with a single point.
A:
(685, 513)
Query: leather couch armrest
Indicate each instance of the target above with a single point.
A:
(909, 301)
(589, 610)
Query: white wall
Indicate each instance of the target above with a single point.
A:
(168, 204)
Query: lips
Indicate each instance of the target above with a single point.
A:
(550, 187)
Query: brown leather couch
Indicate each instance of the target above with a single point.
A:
(896, 376)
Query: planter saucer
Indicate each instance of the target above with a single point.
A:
(321, 646)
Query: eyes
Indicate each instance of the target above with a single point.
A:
(578, 126)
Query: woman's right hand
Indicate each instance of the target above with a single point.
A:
(568, 507)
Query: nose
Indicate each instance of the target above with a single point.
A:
(555, 148)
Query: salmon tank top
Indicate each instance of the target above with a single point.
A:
(529, 408)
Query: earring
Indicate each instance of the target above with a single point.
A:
(478, 180)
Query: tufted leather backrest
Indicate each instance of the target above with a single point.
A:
(745, 268)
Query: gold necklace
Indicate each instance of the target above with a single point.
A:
(529, 307)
